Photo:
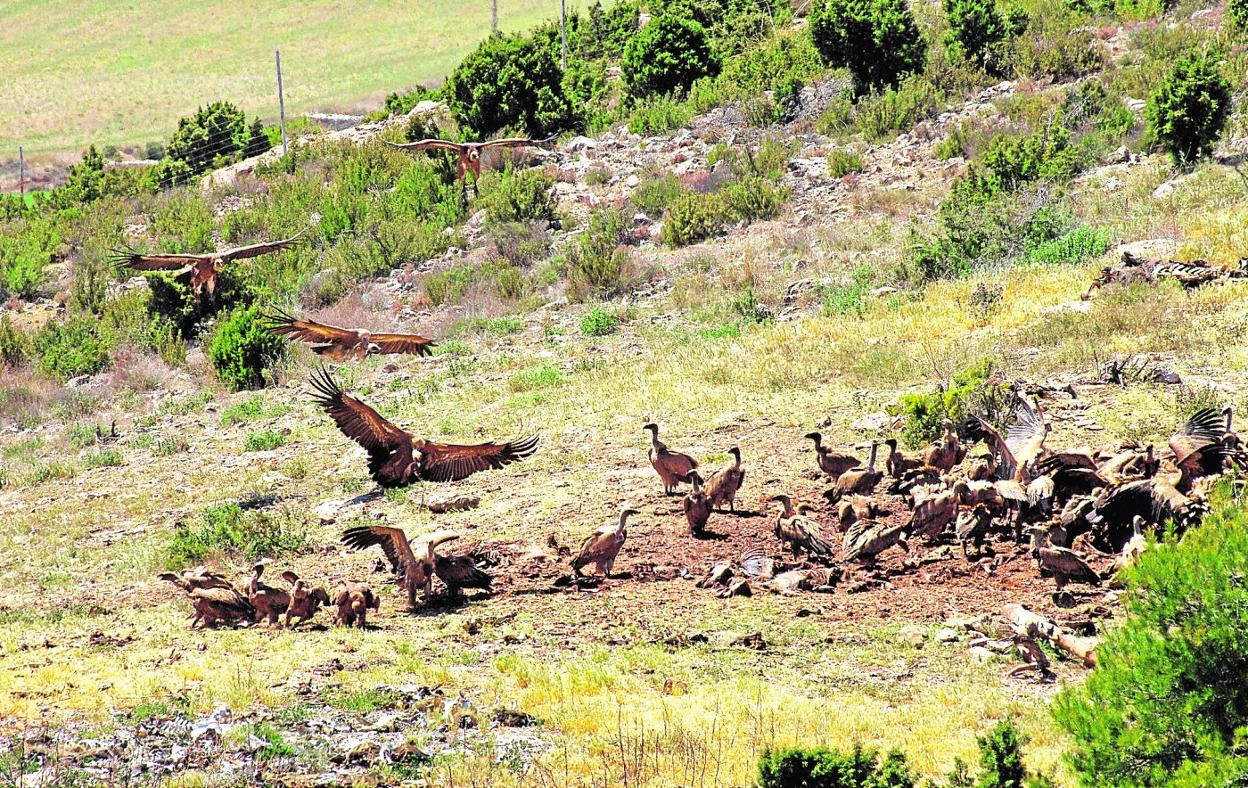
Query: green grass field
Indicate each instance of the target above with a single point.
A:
(107, 73)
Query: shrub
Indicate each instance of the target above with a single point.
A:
(849, 298)
(843, 161)
(215, 134)
(691, 217)
(14, 344)
(1012, 161)
(658, 115)
(751, 198)
(973, 391)
(67, 350)
(509, 82)
(242, 349)
(595, 261)
(1188, 110)
(1077, 246)
(1237, 15)
(667, 56)
(976, 30)
(1001, 757)
(447, 287)
(819, 767)
(1055, 46)
(104, 458)
(653, 195)
(899, 108)
(519, 196)
(598, 322)
(264, 440)
(1165, 704)
(23, 256)
(249, 534)
(876, 39)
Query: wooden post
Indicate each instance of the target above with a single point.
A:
(21, 171)
(563, 34)
(494, 19)
(281, 97)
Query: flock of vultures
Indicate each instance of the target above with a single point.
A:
(1066, 505)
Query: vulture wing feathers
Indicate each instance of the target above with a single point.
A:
(255, 250)
(128, 258)
(517, 142)
(429, 144)
(445, 462)
(392, 541)
(1025, 437)
(389, 448)
(1198, 446)
(287, 325)
(412, 344)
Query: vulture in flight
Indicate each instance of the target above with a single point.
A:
(202, 268)
(340, 344)
(468, 154)
(397, 458)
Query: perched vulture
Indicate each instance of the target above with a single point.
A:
(859, 481)
(397, 458)
(268, 601)
(932, 515)
(798, 531)
(340, 344)
(897, 463)
(866, 539)
(213, 598)
(304, 599)
(354, 600)
(468, 154)
(1065, 565)
(414, 569)
(697, 505)
(946, 453)
(457, 572)
(602, 548)
(723, 485)
(672, 466)
(972, 526)
(1199, 447)
(833, 463)
(202, 268)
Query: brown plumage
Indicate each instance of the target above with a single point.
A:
(859, 481)
(1022, 444)
(972, 526)
(1130, 463)
(947, 452)
(932, 515)
(1199, 447)
(458, 572)
(896, 463)
(268, 601)
(354, 600)
(468, 154)
(340, 344)
(397, 458)
(202, 268)
(833, 463)
(413, 571)
(672, 466)
(723, 485)
(697, 505)
(798, 531)
(1065, 565)
(866, 539)
(304, 600)
(602, 548)
(213, 598)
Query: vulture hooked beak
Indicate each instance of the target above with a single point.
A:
(814, 436)
(652, 427)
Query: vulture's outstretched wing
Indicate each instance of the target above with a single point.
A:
(518, 142)
(389, 448)
(1025, 437)
(255, 250)
(423, 145)
(392, 541)
(1198, 446)
(287, 325)
(128, 258)
(992, 436)
(444, 462)
(411, 344)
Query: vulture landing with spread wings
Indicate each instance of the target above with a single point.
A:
(468, 154)
(397, 458)
(340, 344)
(201, 268)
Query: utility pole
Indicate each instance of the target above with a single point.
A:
(563, 34)
(21, 170)
(494, 22)
(281, 98)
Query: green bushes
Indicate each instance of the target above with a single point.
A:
(843, 161)
(1077, 246)
(228, 528)
(518, 196)
(241, 349)
(1237, 15)
(509, 82)
(214, 135)
(819, 767)
(976, 31)
(881, 115)
(695, 216)
(667, 56)
(265, 440)
(15, 346)
(849, 298)
(876, 39)
(973, 391)
(23, 256)
(598, 322)
(595, 262)
(653, 195)
(1166, 703)
(691, 218)
(76, 347)
(658, 115)
(1188, 110)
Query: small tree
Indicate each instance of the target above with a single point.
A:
(510, 82)
(976, 31)
(243, 348)
(1167, 701)
(876, 39)
(1188, 110)
(819, 767)
(1237, 15)
(667, 55)
(218, 132)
